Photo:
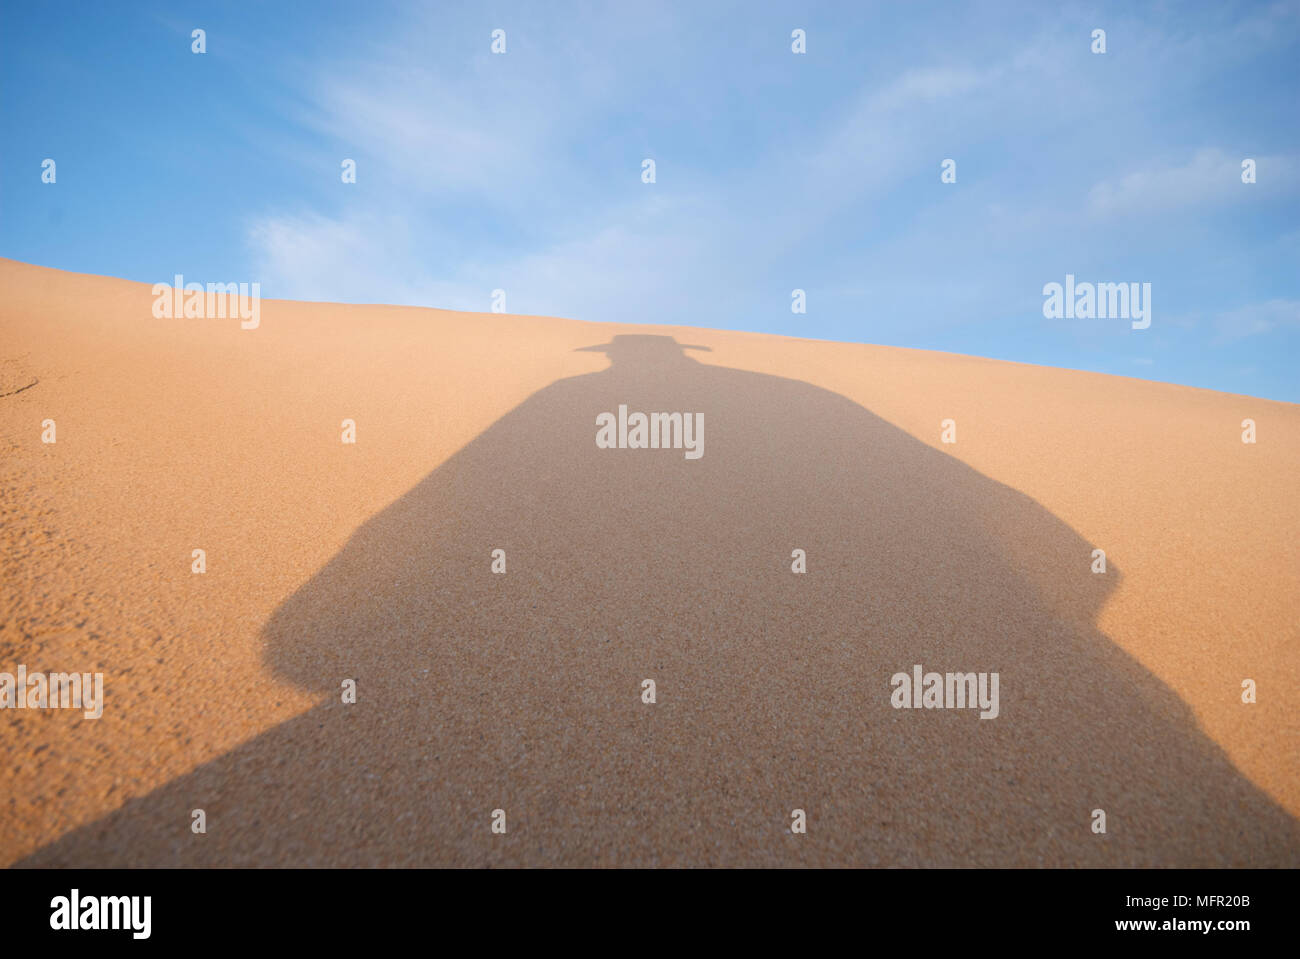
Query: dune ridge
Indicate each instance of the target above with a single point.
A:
(522, 691)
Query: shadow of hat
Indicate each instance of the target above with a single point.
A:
(635, 341)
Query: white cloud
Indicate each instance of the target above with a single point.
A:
(1210, 177)
(358, 259)
(924, 86)
(648, 263)
(1257, 318)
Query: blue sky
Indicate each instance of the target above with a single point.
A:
(774, 171)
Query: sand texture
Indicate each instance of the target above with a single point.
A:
(522, 691)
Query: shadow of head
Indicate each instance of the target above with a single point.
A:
(642, 350)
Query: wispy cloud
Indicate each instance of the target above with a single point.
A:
(522, 172)
(924, 86)
(1257, 318)
(1209, 178)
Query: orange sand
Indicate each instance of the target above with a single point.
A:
(521, 691)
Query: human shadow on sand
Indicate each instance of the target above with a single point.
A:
(522, 691)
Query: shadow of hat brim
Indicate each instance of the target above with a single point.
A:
(606, 347)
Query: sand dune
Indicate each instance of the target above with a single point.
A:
(480, 691)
